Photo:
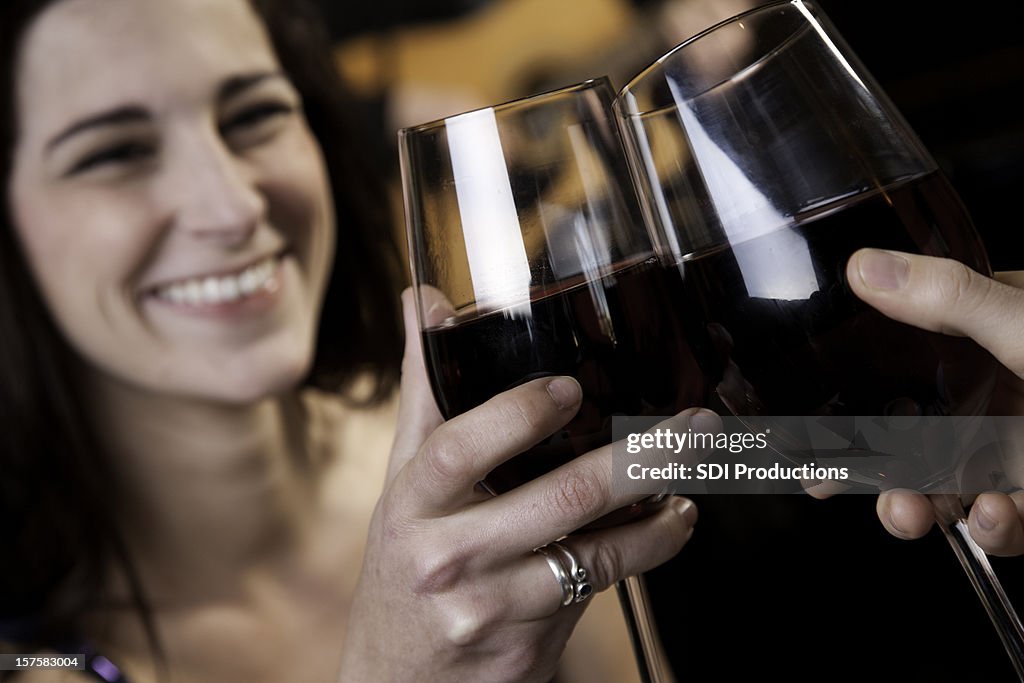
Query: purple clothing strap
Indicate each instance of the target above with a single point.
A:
(105, 669)
(99, 666)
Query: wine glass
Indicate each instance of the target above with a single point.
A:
(764, 155)
(530, 257)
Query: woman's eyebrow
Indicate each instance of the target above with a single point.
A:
(134, 114)
(119, 115)
(238, 84)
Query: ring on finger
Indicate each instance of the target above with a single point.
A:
(572, 577)
(581, 588)
(565, 582)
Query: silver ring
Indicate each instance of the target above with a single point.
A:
(564, 582)
(581, 588)
(572, 577)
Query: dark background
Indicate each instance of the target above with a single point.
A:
(793, 589)
(804, 590)
(956, 71)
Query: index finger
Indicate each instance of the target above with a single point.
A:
(464, 450)
(943, 295)
(577, 493)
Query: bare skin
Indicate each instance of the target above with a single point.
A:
(295, 597)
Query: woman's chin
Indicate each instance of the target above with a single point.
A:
(243, 381)
(263, 383)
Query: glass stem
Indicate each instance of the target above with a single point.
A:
(650, 655)
(949, 512)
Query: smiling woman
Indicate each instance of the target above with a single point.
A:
(198, 346)
(178, 168)
(176, 217)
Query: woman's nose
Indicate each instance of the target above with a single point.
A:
(215, 195)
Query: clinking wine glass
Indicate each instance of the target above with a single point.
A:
(764, 155)
(530, 258)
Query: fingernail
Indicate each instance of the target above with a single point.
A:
(883, 270)
(564, 391)
(984, 520)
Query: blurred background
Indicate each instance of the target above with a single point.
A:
(954, 72)
(770, 586)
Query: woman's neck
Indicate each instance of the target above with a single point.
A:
(207, 492)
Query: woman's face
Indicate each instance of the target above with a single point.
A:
(171, 200)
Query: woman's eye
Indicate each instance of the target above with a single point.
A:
(126, 153)
(256, 115)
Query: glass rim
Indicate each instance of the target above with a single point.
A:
(588, 84)
(658, 64)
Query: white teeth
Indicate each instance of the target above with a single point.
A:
(215, 290)
(228, 288)
(193, 292)
(249, 281)
(211, 290)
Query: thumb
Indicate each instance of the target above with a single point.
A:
(418, 415)
(942, 295)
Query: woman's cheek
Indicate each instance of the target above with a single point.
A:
(302, 206)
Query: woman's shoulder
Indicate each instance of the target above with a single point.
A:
(354, 441)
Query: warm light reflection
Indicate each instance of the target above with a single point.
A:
(498, 264)
(590, 243)
(591, 238)
(785, 269)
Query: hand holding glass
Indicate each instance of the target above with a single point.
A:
(530, 258)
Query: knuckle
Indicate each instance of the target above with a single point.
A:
(607, 565)
(579, 492)
(464, 625)
(438, 572)
(447, 455)
(522, 413)
(955, 282)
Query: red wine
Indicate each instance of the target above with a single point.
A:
(778, 331)
(616, 335)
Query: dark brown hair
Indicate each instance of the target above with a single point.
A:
(57, 522)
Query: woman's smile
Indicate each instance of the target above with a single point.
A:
(242, 290)
(204, 223)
